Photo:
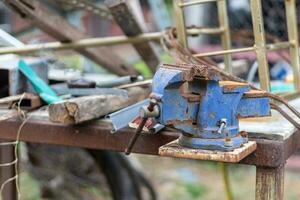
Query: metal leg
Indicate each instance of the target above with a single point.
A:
(269, 183)
(7, 155)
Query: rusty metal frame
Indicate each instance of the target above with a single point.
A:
(269, 153)
(260, 46)
(224, 30)
(291, 17)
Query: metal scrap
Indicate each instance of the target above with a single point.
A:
(36, 13)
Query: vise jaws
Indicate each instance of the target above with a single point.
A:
(205, 108)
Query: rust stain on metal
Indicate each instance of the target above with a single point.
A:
(173, 149)
(207, 72)
(212, 115)
(192, 97)
(270, 182)
(255, 119)
(229, 86)
(255, 94)
(174, 122)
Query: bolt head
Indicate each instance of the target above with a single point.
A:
(228, 143)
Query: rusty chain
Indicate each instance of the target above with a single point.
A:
(88, 6)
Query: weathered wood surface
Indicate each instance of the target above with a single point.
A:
(127, 21)
(9, 115)
(269, 183)
(173, 149)
(27, 101)
(82, 109)
(275, 127)
(37, 14)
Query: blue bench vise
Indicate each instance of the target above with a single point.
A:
(204, 107)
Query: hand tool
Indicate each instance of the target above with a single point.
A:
(204, 107)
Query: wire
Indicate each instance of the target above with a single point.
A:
(284, 102)
(285, 115)
(15, 143)
(24, 118)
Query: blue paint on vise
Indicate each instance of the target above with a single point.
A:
(197, 107)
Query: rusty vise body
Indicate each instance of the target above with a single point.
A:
(205, 108)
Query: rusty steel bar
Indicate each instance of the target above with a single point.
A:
(291, 17)
(192, 3)
(180, 23)
(102, 41)
(222, 52)
(90, 42)
(126, 19)
(269, 183)
(225, 36)
(260, 44)
(38, 14)
(270, 47)
(197, 31)
(278, 46)
(7, 154)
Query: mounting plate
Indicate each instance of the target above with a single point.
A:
(173, 149)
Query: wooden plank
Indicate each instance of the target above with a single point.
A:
(173, 149)
(57, 27)
(28, 101)
(269, 183)
(127, 21)
(82, 109)
(9, 115)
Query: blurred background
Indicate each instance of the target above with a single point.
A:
(43, 171)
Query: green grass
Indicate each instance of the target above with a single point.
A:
(29, 187)
(188, 191)
(195, 190)
(143, 69)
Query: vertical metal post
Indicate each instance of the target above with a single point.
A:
(260, 44)
(180, 23)
(7, 155)
(225, 36)
(291, 19)
(269, 183)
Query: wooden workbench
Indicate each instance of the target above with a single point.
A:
(276, 140)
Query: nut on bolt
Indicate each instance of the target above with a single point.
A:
(228, 142)
(151, 110)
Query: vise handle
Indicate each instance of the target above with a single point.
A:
(139, 129)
